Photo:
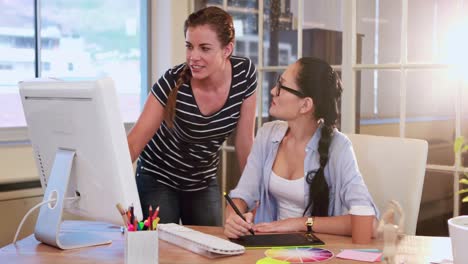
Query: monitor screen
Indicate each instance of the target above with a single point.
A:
(80, 147)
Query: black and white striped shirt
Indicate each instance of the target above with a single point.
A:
(186, 157)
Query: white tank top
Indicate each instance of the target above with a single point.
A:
(289, 194)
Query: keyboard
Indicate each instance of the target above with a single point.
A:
(198, 242)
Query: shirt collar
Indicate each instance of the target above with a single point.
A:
(311, 145)
(279, 133)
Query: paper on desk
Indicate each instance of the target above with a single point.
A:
(359, 255)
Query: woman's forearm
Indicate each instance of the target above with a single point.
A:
(336, 225)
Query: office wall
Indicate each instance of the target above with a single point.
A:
(165, 54)
(17, 164)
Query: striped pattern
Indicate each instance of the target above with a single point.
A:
(187, 156)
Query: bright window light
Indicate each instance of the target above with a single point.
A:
(454, 51)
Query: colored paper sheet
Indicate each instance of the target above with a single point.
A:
(359, 255)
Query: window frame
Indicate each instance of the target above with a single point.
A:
(351, 67)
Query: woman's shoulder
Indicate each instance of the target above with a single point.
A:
(240, 59)
(242, 62)
(340, 140)
(167, 81)
(176, 70)
(340, 136)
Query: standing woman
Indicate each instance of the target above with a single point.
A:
(189, 113)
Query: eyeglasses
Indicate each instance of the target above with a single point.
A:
(280, 87)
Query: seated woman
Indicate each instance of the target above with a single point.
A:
(302, 172)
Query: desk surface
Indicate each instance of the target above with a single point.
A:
(411, 249)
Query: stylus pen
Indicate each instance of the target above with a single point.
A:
(233, 205)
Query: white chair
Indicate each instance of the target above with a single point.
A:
(393, 169)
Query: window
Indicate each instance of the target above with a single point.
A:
(78, 39)
(17, 59)
(408, 88)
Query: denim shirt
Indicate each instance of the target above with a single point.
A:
(346, 185)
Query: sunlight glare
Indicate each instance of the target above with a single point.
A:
(454, 49)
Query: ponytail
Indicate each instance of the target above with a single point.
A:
(169, 114)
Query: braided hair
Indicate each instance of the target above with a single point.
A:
(318, 80)
(221, 23)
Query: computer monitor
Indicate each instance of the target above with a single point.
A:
(80, 147)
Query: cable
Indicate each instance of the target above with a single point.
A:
(34, 208)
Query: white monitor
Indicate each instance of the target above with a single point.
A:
(81, 149)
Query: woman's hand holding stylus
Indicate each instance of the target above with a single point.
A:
(235, 226)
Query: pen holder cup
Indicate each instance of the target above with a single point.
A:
(141, 247)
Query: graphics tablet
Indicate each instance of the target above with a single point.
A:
(278, 240)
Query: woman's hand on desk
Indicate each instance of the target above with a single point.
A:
(235, 226)
(281, 226)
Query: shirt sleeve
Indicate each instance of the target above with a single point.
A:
(353, 190)
(166, 83)
(251, 76)
(248, 187)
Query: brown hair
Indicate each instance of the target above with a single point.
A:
(218, 20)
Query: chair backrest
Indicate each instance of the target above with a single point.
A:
(393, 169)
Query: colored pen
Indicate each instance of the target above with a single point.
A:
(150, 215)
(155, 223)
(129, 217)
(155, 215)
(141, 226)
(132, 216)
(233, 205)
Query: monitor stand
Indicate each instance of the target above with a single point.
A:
(48, 223)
